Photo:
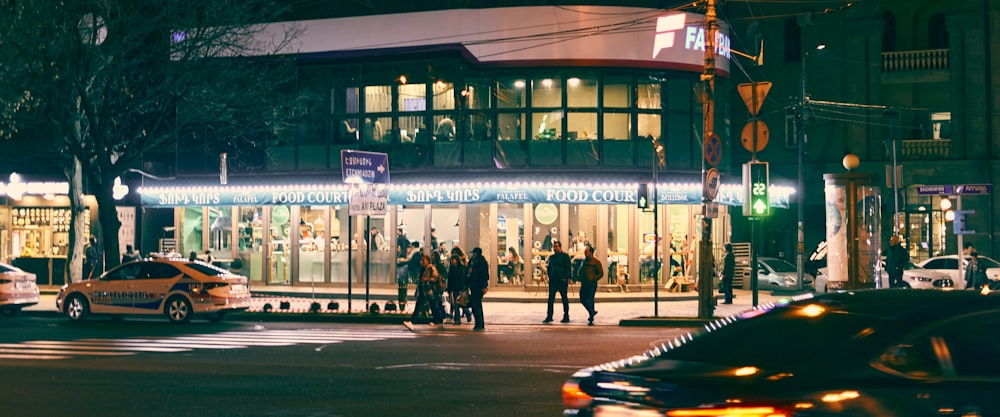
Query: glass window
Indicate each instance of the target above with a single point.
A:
(511, 126)
(581, 126)
(616, 91)
(581, 92)
(648, 95)
(445, 129)
(617, 149)
(477, 94)
(649, 125)
(546, 92)
(616, 126)
(444, 95)
(510, 241)
(220, 230)
(548, 126)
(251, 235)
(680, 95)
(481, 127)
(374, 130)
(510, 93)
(312, 243)
(378, 98)
(413, 97)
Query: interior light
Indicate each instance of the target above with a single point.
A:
(547, 83)
(573, 82)
(945, 204)
(519, 83)
(948, 216)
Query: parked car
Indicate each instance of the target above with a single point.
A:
(887, 352)
(176, 288)
(17, 289)
(775, 273)
(948, 264)
(913, 277)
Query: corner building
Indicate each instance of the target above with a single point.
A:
(504, 128)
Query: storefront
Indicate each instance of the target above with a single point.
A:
(301, 234)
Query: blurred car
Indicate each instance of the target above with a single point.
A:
(948, 264)
(913, 277)
(17, 289)
(176, 288)
(887, 352)
(775, 273)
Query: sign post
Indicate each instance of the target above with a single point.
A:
(367, 174)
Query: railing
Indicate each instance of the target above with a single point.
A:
(924, 60)
(924, 149)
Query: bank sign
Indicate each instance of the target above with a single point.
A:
(338, 194)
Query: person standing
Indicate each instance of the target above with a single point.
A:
(92, 265)
(479, 283)
(402, 245)
(591, 271)
(975, 275)
(458, 272)
(429, 295)
(130, 254)
(559, 268)
(896, 261)
(376, 242)
(728, 270)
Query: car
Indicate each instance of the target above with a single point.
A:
(948, 264)
(775, 273)
(892, 352)
(18, 289)
(913, 277)
(175, 288)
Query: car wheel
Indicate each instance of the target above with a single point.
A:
(904, 284)
(178, 309)
(77, 308)
(7, 312)
(217, 317)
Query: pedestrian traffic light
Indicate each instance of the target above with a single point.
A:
(755, 181)
(643, 196)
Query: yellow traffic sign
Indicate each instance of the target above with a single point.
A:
(753, 95)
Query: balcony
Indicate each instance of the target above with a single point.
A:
(923, 66)
(923, 149)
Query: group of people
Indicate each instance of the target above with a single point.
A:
(463, 277)
(561, 270)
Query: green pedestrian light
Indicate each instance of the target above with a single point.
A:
(643, 196)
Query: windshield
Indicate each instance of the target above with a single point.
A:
(988, 263)
(209, 270)
(779, 265)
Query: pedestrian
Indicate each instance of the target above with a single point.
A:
(376, 242)
(429, 294)
(192, 256)
(591, 271)
(728, 270)
(92, 265)
(402, 245)
(458, 271)
(130, 254)
(896, 260)
(479, 283)
(413, 266)
(560, 269)
(975, 274)
(208, 257)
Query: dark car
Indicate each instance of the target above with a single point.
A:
(899, 352)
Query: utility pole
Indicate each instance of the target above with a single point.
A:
(706, 299)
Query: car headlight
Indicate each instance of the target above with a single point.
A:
(924, 279)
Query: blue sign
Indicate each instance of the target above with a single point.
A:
(974, 189)
(935, 190)
(366, 167)
(962, 189)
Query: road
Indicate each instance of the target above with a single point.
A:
(134, 367)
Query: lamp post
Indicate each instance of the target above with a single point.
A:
(800, 127)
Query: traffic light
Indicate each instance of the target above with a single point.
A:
(643, 196)
(755, 181)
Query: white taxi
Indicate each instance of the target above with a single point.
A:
(17, 289)
(176, 288)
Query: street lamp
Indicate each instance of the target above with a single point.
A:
(800, 122)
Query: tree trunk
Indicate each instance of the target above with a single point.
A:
(107, 215)
(77, 233)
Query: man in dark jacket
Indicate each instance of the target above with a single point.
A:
(896, 261)
(559, 269)
(590, 272)
(728, 270)
(479, 283)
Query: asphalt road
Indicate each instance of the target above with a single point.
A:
(134, 367)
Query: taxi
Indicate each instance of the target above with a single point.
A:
(17, 289)
(176, 288)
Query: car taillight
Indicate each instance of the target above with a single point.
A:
(214, 285)
(574, 397)
(738, 411)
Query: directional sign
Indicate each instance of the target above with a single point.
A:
(364, 167)
(713, 150)
(973, 189)
(753, 95)
(960, 189)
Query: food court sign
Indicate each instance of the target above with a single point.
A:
(474, 193)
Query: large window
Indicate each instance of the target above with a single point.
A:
(581, 92)
(510, 93)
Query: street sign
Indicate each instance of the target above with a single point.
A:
(747, 136)
(365, 167)
(368, 199)
(753, 95)
(958, 225)
(973, 189)
(713, 150)
(711, 184)
(960, 189)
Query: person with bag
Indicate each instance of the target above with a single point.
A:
(429, 295)
(559, 268)
(479, 283)
(975, 274)
(458, 290)
(589, 273)
(728, 270)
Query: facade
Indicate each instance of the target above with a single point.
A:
(904, 84)
(504, 129)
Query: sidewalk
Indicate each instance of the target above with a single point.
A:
(506, 306)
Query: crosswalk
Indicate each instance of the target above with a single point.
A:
(67, 349)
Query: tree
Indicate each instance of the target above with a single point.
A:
(114, 83)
